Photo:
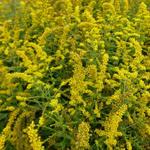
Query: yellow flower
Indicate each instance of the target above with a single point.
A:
(71, 111)
(56, 68)
(23, 76)
(39, 51)
(38, 74)
(34, 138)
(21, 98)
(42, 39)
(5, 92)
(126, 5)
(41, 121)
(6, 131)
(6, 52)
(29, 86)
(117, 5)
(27, 62)
(54, 102)
(10, 108)
(129, 118)
(147, 127)
(102, 73)
(77, 83)
(142, 9)
(92, 71)
(58, 108)
(111, 127)
(97, 111)
(77, 13)
(129, 146)
(85, 113)
(134, 75)
(108, 8)
(82, 139)
(23, 104)
(2, 142)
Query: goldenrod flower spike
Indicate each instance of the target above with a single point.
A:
(34, 138)
(111, 127)
(2, 142)
(82, 138)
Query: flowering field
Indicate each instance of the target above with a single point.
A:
(74, 74)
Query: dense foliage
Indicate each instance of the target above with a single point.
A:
(74, 75)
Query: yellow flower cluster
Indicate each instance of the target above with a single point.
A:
(81, 64)
(18, 138)
(108, 8)
(35, 140)
(142, 9)
(126, 6)
(20, 98)
(77, 83)
(111, 127)
(6, 133)
(7, 130)
(117, 5)
(91, 71)
(39, 52)
(138, 55)
(26, 60)
(56, 105)
(82, 138)
(25, 77)
(129, 146)
(41, 121)
(102, 73)
(2, 142)
(97, 110)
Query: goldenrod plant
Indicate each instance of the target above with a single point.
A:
(74, 74)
